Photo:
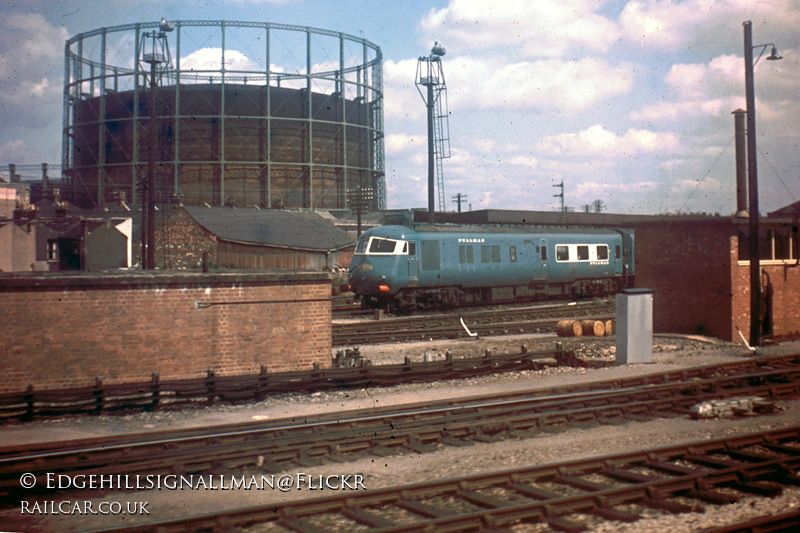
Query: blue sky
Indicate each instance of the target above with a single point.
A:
(628, 102)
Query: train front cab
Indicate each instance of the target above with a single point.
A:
(382, 266)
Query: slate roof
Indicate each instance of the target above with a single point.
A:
(298, 230)
(789, 210)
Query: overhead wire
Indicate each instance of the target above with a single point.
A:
(707, 173)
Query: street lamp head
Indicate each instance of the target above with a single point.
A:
(165, 26)
(774, 55)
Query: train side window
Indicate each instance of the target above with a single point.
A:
(583, 253)
(617, 252)
(512, 254)
(412, 248)
(470, 254)
(462, 254)
(562, 253)
(544, 253)
(486, 254)
(602, 252)
(495, 254)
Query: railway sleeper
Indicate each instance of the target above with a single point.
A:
(451, 440)
(304, 458)
(424, 509)
(610, 513)
(559, 523)
(661, 503)
(709, 495)
(366, 518)
(759, 488)
(482, 500)
(416, 445)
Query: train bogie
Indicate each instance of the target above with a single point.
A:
(439, 266)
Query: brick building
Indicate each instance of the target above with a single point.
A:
(251, 239)
(50, 235)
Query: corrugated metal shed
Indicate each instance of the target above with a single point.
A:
(295, 230)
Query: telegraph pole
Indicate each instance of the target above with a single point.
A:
(459, 199)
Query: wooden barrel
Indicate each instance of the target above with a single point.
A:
(569, 328)
(609, 327)
(594, 328)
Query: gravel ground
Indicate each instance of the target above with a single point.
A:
(670, 353)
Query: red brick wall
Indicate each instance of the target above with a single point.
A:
(785, 280)
(688, 268)
(181, 242)
(67, 330)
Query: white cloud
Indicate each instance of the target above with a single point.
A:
(401, 142)
(525, 161)
(598, 142)
(531, 29)
(681, 25)
(569, 86)
(400, 96)
(31, 66)
(210, 58)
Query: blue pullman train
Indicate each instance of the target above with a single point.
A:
(424, 266)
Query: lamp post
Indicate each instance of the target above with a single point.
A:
(153, 51)
(752, 179)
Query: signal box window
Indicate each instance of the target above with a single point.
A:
(562, 253)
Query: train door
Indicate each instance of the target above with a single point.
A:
(412, 263)
(543, 263)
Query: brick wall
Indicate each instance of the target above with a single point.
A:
(688, 267)
(181, 242)
(785, 280)
(701, 287)
(67, 330)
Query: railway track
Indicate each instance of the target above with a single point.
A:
(569, 496)
(510, 320)
(277, 445)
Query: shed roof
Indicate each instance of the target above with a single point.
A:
(300, 230)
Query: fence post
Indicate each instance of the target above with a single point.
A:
(99, 396)
(210, 386)
(30, 401)
(155, 390)
(263, 384)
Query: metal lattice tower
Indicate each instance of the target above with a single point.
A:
(431, 76)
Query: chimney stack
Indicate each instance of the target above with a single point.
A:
(741, 163)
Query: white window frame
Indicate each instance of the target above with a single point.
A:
(400, 247)
(573, 254)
